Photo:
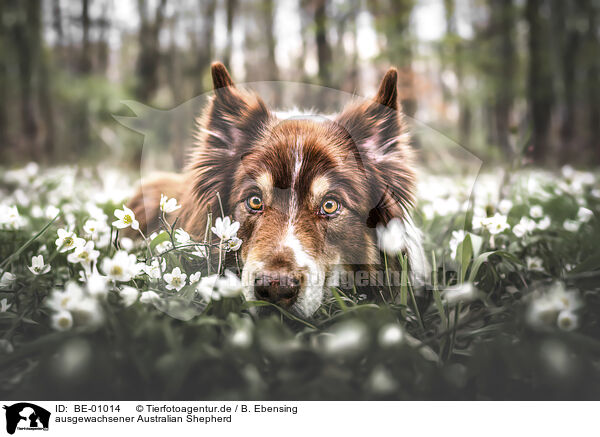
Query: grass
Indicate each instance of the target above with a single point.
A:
(513, 310)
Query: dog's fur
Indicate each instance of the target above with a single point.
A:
(362, 159)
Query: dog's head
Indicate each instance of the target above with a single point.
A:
(308, 192)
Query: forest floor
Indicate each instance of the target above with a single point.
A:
(513, 314)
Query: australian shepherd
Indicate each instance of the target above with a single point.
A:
(312, 195)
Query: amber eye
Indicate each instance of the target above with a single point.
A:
(254, 203)
(330, 207)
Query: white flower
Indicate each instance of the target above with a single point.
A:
(392, 238)
(595, 193)
(89, 313)
(66, 299)
(536, 211)
(7, 280)
(67, 240)
(544, 223)
(541, 313)
(129, 295)
(524, 227)
(96, 214)
(457, 238)
(229, 285)
(215, 287)
(232, 244)
(181, 236)
(85, 255)
(51, 211)
(567, 320)
(390, 335)
(121, 267)
(348, 337)
(126, 243)
(534, 263)
(168, 205)
(97, 284)
(584, 215)
(571, 225)
(495, 224)
(10, 217)
(164, 246)
(241, 337)
(195, 277)
(95, 227)
(155, 268)
(62, 320)
(37, 265)
(149, 297)
(224, 228)
(175, 280)
(126, 218)
(460, 293)
(564, 299)
(556, 306)
(505, 206)
(4, 305)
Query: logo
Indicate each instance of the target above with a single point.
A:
(26, 416)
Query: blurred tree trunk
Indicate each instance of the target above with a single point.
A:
(46, 106)
(85, 62)
(149, 57)
(103, 47)
(268, 9)
(392, 18)
(592, 86)
(205, 50)
(503, 24)
(230, 7)
(456, 56)
(539, 81)
(323, 47)
(27, 34)
(3, 80)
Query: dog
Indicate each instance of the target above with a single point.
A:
(310, 193)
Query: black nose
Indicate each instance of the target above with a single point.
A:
(279, 288)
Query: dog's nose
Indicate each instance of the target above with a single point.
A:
(279, 288)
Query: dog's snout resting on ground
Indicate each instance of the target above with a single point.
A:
(309, 193)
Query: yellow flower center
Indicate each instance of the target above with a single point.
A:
(116, 270)
(63, 322)
(176, 281)
(127, 219)
(68, 241)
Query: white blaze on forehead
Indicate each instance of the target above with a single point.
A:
(297, 151)
(312, 295)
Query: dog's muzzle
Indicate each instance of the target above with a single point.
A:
(279, 288)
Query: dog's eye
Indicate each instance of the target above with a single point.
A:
(330, 207)
(254, 203)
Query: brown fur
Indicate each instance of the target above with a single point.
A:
(362, 158)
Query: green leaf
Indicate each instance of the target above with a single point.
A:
(160, 238)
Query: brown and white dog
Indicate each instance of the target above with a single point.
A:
(309, 193)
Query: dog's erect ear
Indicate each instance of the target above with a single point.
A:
(234, 116)
(378, 131)
(376, 126)
(387, 95)
(220, 76)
